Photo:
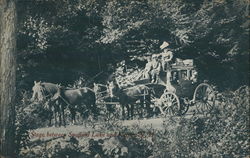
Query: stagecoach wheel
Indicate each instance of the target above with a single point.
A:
(204, 98)
(170, 104)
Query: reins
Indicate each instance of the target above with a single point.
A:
(64, 100)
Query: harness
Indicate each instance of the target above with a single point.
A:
(42, 90)
(60, 96)
(68, 104)
(64, 100)
(102, 92)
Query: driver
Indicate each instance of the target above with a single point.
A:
(167, 56)
(156, 68)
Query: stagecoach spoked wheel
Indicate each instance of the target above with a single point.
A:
(204, 98)
(170, 104)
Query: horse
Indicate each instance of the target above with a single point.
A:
(75, 99)
(129, 96)
(43, 91)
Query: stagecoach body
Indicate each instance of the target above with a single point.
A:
(188, 90)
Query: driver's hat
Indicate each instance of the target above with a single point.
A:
(164, 45)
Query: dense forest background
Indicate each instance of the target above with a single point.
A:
(61, 42)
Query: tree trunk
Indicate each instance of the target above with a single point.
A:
(7, 76)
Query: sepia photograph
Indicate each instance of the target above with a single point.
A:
(124, 79)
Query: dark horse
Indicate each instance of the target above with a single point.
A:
(44, 92)
(129, 96)
(77, 100)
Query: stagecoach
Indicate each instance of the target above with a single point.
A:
(177, 89)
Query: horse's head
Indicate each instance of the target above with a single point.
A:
(37, 91)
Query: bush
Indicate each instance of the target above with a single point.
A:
(222, 133)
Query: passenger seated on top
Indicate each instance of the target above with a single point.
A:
(167, 56)
(156, 68)
(148, 68)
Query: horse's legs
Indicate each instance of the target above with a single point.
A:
(50, 111)
(50, 118)
(53, 110)
(57, 115)
(60, 115)
(128, 110)
(148, 103)
(94, 110)
(55, 118)
(60, 111)
(142, 102)
(123, 112)
(132, 106)
(108, 111)
(63, 115)
(73, 115)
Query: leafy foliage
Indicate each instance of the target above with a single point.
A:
(82, 37)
